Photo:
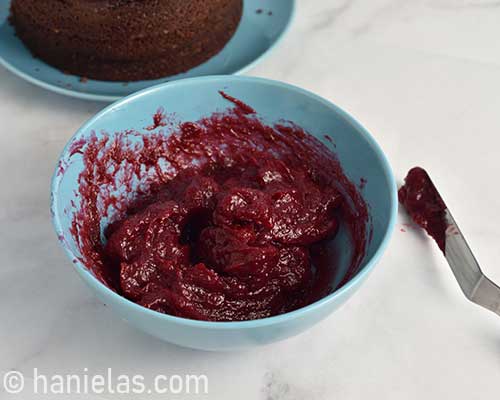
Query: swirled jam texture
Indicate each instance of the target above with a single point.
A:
(226, 219)
(425, 206)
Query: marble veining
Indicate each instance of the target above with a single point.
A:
(455, 4)
(424, 77)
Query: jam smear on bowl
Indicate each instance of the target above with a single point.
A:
(425, 206)
(225, 219)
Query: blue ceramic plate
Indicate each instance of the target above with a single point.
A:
(258, 33)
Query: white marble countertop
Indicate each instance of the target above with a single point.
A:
(424, 77)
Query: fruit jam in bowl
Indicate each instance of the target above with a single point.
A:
(223, 212)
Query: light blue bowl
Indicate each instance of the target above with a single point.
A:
(191, 99)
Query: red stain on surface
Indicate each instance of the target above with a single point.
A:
(240, 106)
(159, 120)
(362, 183)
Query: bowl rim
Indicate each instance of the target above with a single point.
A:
(339, 292)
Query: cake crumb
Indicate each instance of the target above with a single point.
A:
(362, 183)
(330, 139)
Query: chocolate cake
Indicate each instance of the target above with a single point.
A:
(125, 40)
